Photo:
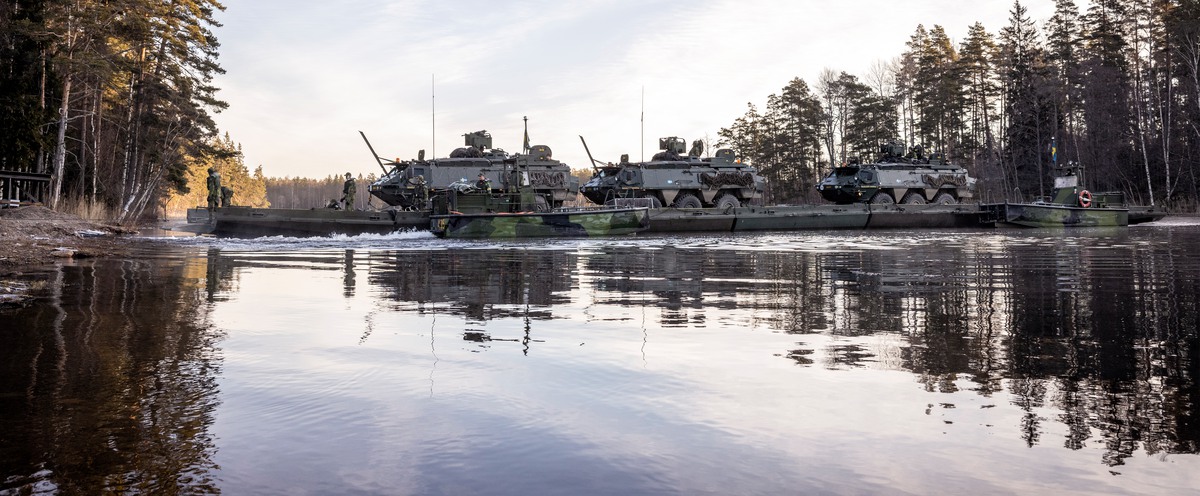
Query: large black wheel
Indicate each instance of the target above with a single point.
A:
(882, 198)
(654, 201)
(945, 198)
(687, 200)
(728, 201)
(913, 198)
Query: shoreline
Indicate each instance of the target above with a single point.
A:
(36, 236)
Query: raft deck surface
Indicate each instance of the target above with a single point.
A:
(257, 222)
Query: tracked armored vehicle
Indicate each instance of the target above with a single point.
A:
(677, 179)
(409, 184)
(899, 177)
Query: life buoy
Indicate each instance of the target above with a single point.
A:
(1085, 199)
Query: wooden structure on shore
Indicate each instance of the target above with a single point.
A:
(19, 188)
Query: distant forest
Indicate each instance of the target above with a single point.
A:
(114, 98)
(1115, 88)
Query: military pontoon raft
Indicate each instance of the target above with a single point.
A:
(249, 222)
(581, 222)
(256, 222)
(1071, 206)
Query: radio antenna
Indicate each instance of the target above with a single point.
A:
(433, 113)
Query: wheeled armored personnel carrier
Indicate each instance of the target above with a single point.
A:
(679, 178)
(909, 178)
(409, 184)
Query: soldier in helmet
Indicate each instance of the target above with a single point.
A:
(420, 190)
(348, 191)
(483, 184)
(226, 196)
(214, 189)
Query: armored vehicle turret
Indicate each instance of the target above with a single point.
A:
(911, 178)
(678, 177)
(409, 184)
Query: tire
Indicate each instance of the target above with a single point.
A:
(654, 201)
(913, 198)
(687, 200)
(945, 198)
(882, 198)
(728, 201)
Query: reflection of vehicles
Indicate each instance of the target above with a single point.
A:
(909, 179)
(672, 178)
(408, 184)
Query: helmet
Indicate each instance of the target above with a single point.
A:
(348, 175)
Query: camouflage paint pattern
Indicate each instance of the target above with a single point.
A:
(1050, 215)
(582, 223)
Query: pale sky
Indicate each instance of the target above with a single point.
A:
(304, 76)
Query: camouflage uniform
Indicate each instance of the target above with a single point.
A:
(421, 191)
(214, 189)
(484, 184)
(348, 191)
(226, 196)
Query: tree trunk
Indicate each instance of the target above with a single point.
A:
(60, 144)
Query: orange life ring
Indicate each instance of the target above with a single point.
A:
(1085, 199)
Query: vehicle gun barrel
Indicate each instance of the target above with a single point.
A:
(589, 152)
(376, 155)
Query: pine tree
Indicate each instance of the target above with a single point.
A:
(980, 91)
(1064, 47)
(1108, 137)
(1027, 104)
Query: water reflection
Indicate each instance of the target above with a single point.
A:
(109, 386)
(1087, 342)
(1103, 329)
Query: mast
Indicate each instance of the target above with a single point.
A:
(433, 112)
(525, 149)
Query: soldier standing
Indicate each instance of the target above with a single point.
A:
(419, 186)
(214, 189)
(483, 183)
(348, 191)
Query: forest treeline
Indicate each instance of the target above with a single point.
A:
(114, 99)
(1114, 87)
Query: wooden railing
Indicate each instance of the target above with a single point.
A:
(23, 188)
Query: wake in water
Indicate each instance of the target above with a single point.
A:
(790, 241)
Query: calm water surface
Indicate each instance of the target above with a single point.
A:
(885, 362)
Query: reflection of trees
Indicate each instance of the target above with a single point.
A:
(110, 386)
(1111, 335)
(1106, 336)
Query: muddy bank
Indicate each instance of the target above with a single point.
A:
(34, 236)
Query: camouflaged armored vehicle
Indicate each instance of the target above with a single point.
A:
(409, 184)
(677, 179)
(897, 177)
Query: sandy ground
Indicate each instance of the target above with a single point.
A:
(33, 236)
